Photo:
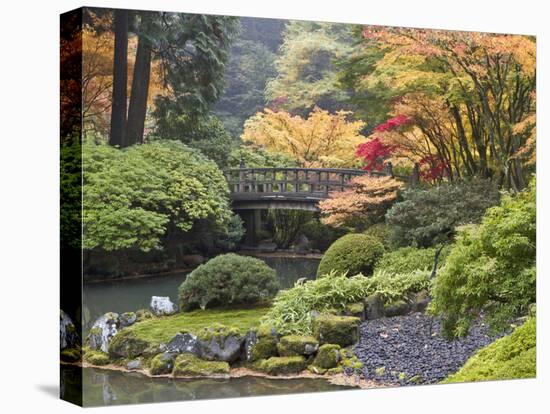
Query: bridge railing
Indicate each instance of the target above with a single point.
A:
(316, 181)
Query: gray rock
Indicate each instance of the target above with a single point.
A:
(184, 342)
(68, 336)
(162, 305)
(102, 331)
(420, 301)
(374, 307)
(134, 364)
(267, 247)
(226, 349)
(127, 319)
(310, 349)
(396, 308)
(250, 340)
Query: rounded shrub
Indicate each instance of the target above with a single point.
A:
(228, 279)
(352, 253)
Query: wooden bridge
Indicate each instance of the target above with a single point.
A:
(257, 189)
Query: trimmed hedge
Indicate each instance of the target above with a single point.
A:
(228, 279)
(352, 253)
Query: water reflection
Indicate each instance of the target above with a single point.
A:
(101, 387)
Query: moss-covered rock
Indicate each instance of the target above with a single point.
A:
(125, 344)
(281, 365)
(356, 309)
(127, 319)
(336, 370)
(292, 345)
(162, 364)
(340, 330)
(220, 343)
(374, 306)
(144, 314)
(71, 355)
(96, 357)
(265, 347)
(314, 369)
(396, 308)
(328, 356)
(188, 365)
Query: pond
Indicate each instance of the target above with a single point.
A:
(102, 387)
(133, 294)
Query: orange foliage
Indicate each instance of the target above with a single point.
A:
(367, 199)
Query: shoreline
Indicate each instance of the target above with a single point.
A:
(241, 372)
(244, 252)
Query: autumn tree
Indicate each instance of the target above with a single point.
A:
(465, 92)
(365, 202)
(320, 140)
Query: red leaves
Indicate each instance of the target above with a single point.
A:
(393, 123)
(374, 152)
(435, 168)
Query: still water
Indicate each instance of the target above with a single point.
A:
(102, 387)
(133, 294)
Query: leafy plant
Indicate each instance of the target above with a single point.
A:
(408, 259)
(429, 215)
(351, 254)
(292, 309)
(491, 267)
(228, 279)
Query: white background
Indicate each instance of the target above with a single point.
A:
(29, 204)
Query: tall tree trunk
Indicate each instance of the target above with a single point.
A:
(140, 86)
(120, 80)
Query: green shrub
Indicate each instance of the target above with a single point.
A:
(408, 259)
(228, 279)
(352, 253)
(490, 268)
(510, 357)
(381, 232)
(291, 312)
(429, 215)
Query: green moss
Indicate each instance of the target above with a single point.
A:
(160, 330)
(314, 369)
(144, 314)
(188, 365)
(216, 331)
(328, 356)
(380, 371)
(402, 376)
(281, 365)
(125, 344)
(292, 345)
(417, 379)
(336, 370)
(395, 308)
(161, 364)
(355, 308)
(513, 356)
(264, 348)
(71, 354)
(340, 330)
(96, 357)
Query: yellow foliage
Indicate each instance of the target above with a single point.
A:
(321, 140)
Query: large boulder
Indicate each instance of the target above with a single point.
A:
(184, 343)
(162, 305)
(374, 306)
(220, 343)
(328, 356)
(292, 345)
(281, 365)
(396, 308)
(260, 344)
(103, 330)
(68, 335)
(162, 364)
(340, 330)
(125, 344)
(188, 365)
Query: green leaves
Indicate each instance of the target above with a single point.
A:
(133, 197)
(491, 267)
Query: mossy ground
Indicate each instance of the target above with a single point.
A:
(96, 357)
(160, 330)
(511, 357)
(188, 365)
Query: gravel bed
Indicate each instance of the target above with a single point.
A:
(402, 350)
